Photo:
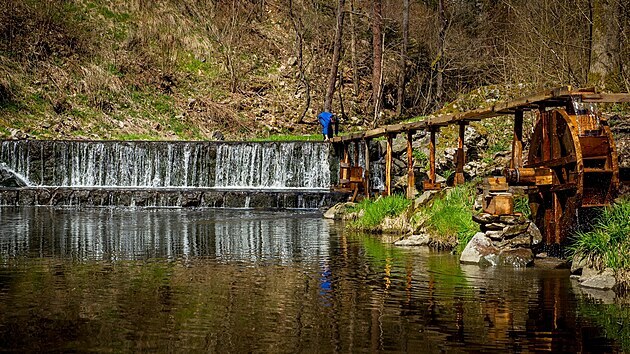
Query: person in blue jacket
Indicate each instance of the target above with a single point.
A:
(327, 120)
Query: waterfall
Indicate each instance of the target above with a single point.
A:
(114, 164)
(288, 165)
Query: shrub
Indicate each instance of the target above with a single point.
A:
(608, 243)
(375, 211)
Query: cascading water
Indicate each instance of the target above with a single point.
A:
(273, 166)
(207, 174)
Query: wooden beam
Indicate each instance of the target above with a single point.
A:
(517, 141)
(388, 165)
(461, 157)
(432, 156)
(344, 173)
(411, 178)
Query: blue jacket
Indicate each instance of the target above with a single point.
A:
(325, 118)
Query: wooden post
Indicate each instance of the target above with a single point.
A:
(345, 165)
(432, 156)
(411, 178)
(356, 153)
(388, 166)
(366, 172)
(517, 141)
(461, 157)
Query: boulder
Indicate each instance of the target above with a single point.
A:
(478, 249)
(602, 280)
(534, 233)
(577, 264)
(424, 198)
(337, 211)
(518, 258)
(414, 240)
(396, 225)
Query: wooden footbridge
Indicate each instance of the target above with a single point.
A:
(572, 161)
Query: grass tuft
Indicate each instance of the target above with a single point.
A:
(608, 243)
(375, 211)
(450, 217)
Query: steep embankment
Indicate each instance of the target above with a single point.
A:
(144, 70)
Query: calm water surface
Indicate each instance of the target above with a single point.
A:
(242, 281)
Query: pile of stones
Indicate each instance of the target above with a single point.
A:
(503, 240)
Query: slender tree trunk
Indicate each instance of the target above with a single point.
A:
(334, 65)
(377, 50)
(353, 50)
(403, 58)
(299, 41)
(439, 79)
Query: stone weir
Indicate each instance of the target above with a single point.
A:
(271, 175)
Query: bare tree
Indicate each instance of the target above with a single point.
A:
(377, 56)
(334, 64)
(298, 27)
(402, 78)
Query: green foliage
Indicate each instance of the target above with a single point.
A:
(521, 205)
(608, 243)
(421, 158)
(451, 216)
(289, 137)
(375, 211)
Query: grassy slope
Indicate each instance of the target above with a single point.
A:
(125, 70)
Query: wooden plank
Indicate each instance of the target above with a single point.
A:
(606, 97)
(461, 155)
(517, 141)
(432, 156)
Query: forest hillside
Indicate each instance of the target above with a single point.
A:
(189, 69)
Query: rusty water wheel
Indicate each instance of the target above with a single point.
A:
(555, 144)
(583, 160)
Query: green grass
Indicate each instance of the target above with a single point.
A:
(451, 216)
(375, 211)
(290, 137)
(608, 243)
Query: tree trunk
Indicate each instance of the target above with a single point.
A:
(377, 51)
(439, 79)
(353, 50)
(334, 65)
(299, 42)
(604, 61)
(403, 58)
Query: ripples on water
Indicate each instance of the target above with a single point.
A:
(243, 281)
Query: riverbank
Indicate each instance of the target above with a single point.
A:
(599, 258)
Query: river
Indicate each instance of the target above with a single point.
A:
(213, 280)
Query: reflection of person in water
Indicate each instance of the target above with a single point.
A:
(325, 283)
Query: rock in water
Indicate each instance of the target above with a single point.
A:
(479, 247)
(603, 281)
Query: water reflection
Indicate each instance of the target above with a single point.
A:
(221, 281)
(136, 234)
